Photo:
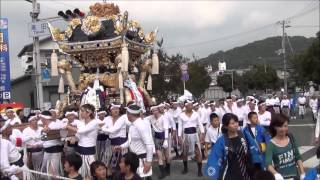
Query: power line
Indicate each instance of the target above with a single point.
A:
(305, 26)
(302, 13)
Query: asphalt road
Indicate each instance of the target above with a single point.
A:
(303, 131)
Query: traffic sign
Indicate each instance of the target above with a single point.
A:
(39, 28)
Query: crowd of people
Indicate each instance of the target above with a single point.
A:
(242, 139)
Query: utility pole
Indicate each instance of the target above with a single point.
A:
(285, 81)
(36, 54)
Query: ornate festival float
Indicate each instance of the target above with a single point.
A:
(117, 59)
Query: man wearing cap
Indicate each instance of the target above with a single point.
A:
(264, 116)
(35, 145)
(160, 126)
(285, 106)
(139, 141)
(188, 136)
(116, 128)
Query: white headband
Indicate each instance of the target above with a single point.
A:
(161, 105)
(131, 111)
(240, 100)
(71, 112)
(114, 106)
(32, 118)
(262, 104)
(102, 112)
(45, 117)
(9, 110)
(189, 102)
(37, 111)
(153, 108)
(54, 110)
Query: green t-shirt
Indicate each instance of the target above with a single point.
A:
(283, 159)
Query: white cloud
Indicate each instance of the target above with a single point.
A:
(256, 19)
(189, 13)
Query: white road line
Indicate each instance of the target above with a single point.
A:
(303, 149)
(311, 162)
(301, 125)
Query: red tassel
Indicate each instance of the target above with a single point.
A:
(18, 142)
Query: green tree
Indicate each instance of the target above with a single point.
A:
(307, 64)
(199, 79)
(225, 81)
(258, 79)
(198, 82)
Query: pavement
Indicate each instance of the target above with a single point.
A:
(303, 131)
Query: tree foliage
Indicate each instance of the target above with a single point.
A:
(307, 64)
(198, 82)
(225, 81)
(258, 79)
(254, 79)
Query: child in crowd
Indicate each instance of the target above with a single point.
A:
(213, 132)
(71, 165)
(258, 133)
(128, 167)
(98, 171)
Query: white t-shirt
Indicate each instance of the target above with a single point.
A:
(212, 134)
(302, 100)
(265, 118)
(87, 133)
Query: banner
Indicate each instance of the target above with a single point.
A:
(184, 72)
(5, 85)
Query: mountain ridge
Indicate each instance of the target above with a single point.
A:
(242, 57)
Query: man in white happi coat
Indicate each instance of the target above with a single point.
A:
(285, 106)
(188, 136)
(35, 145)
(313, 103)
(302, 100)
(240, 111)
(140, 141)
(176, 111)
(12, 118)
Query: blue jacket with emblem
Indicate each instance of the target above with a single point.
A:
(218, 156)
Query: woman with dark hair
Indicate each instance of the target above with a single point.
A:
(98, 171)
(234, 153)
(282, 154)
(87, 132)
